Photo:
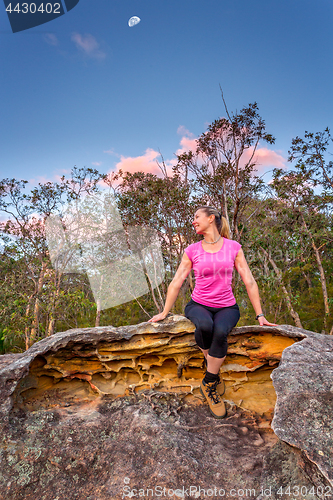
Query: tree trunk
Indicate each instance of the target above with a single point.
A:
(322, 277)
(277, 311)
(50, 330)
(35, 324)
(98, 313)
(321, 272)
(235, 221)
(27, 329)
(159, 306)
(307, 278)
(278, 273)
(225, 203)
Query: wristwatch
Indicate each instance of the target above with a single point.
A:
(259, 315)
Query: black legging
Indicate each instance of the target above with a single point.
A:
(212, 326)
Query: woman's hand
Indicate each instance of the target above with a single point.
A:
(157, 317)
(263, 321)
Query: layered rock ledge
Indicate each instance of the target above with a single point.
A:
(84, 410)
(82, 365)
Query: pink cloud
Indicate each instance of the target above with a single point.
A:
(264, 158)
(145, 163)
(55, 177)
(40, 179)
(88, 44)
(187, 142)
(181, 130)
(148, 161)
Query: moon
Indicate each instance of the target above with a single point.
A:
(133, 21)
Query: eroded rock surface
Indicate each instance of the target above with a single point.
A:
(82, 365)
(97, 413)
(303, 414)
(155, 441)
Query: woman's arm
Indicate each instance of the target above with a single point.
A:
(174, 287)
(251, 286)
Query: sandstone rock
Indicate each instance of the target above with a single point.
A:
(89, 363)
(287, 473)
(95, 413)
(7, 359)
(304, 408)
(105, 451)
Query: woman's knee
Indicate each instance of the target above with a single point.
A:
(203, 333)
(220, 334)
(224, 325)
(204, 325)
(203, 341)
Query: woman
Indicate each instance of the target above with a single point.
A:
(213, 308)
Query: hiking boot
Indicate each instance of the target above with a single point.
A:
(220, 386)
(216, 405)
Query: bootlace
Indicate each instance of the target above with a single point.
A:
(212, 392)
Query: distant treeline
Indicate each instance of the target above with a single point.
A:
(285, 228)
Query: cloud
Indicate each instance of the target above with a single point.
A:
(55, 177)
(144, 163)
(181, 130)
(51, 39)
(88, 45)
(96, 163)
(264, 158)
(41, 179)
(187, 142)
(147, 162)
(111, 152)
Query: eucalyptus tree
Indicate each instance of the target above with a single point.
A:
(223, 165)
(23, 234)
(312, 157)
(165, 204)
(270, 246)
(310, 222)
(311, 153)
(50, 198)
(14, 291)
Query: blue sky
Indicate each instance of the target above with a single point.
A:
(88, 90)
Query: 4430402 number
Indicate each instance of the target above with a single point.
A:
(303, 491)
(32, 8)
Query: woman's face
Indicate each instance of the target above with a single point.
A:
(201, 222)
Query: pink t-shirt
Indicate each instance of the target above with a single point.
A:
(213, 273)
